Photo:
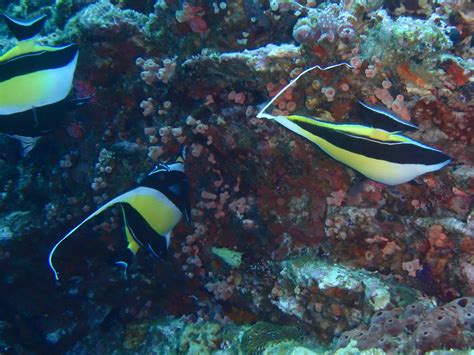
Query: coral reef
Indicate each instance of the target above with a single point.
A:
(418, 327)
(334, 298)
(179, 335)
(287, 250)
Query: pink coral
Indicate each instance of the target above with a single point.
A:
(222, 290)
(329, 23)
(412, 267)
(147, 106)
(337, 197)
(329, 92)
(398, 106)
(384, 96)
(152, 71)
(198, 25)
(192, 15)
(437, 237)
(154, 152)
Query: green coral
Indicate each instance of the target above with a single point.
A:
(230, 257)
(262, 336)
(405, 38)
(420, 35)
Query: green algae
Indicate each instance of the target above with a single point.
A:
(230, 257)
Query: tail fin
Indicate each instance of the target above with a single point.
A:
(24, 29)
(27, 143)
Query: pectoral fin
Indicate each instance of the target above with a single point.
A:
(27, 143)
(124, 259)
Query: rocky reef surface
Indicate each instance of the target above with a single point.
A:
(288, 251)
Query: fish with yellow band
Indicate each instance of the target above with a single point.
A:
(34, 75)
(378, 151)
(150, 211)
(35, 80)
(382, 156)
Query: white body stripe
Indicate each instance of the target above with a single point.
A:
(395, 174)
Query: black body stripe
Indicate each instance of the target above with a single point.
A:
(24, 29)
(401, 153)
(33, 62)
(382, 119)
(34, 123)
(143, 231)
(174, 185)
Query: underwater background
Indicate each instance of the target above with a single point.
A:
(287, 250)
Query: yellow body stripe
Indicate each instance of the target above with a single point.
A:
(33, 88)
(160, 213)
(358, 130)
(132, 244)
(36, 89)
(26, 47)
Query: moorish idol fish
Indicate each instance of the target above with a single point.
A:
(380, 117)
(29, 126)
(380, 155)
(150, 211)
(34, 75)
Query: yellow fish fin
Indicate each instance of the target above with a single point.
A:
(132, 243)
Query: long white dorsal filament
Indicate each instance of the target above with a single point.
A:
(262, 113)
(100, 210)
